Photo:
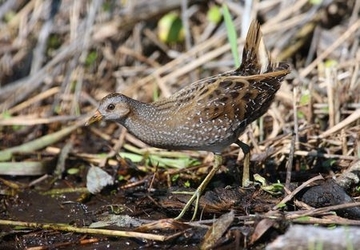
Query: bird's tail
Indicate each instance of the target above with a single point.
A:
(256, 58)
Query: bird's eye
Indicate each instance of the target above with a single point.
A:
(111, 107)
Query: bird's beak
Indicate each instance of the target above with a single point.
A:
(95, 118)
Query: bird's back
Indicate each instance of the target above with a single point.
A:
(211, 113)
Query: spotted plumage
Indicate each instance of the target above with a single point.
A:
(209, 114)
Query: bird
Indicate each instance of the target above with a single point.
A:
(207, 115)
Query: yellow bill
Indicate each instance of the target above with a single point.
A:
(95, 118)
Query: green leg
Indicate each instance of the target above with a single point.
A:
(246, 171)
(201, 188)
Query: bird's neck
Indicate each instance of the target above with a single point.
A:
(146, 122)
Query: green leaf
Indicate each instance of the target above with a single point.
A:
(131, 156)
(5, 115)
(187, 184)
(274, 189)
(151, 159)
(330, 63)
(231, 32)
(175, 177)
(91, 58)
(170, 28)
(329, 163)
(305, 98)
(303, 219)
(73, 171)
(155, 92)
(54, 42)
(316, 2)
(38, 143)
(281, 205)
(214, 14)
(300, 114)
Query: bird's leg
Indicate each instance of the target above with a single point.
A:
(201, 188)
(246, 170)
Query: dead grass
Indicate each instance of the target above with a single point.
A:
(57, 61)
